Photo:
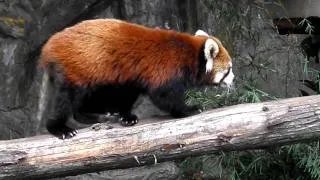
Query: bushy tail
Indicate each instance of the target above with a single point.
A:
(43, 97)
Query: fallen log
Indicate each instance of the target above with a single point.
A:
(240, 127)
(165, 170)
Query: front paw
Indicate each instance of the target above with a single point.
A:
(128, 120)
(195, 109)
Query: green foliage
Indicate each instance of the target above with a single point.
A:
(211, 97)
(299, 161)
(254, 95)
(307, 24)
(307, 157)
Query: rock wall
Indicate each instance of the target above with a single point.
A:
(24, 27)
(245, 28)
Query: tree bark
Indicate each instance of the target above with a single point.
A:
(165, 171)
(244, 126)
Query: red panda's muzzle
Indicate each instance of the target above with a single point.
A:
(224, 78)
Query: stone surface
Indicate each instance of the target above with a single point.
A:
(24, 27)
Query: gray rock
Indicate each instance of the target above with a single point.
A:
(24, 27)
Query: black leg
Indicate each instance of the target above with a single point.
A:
(81, 106)
(170, 98)
(62, 110)
(91, 105)
(126, 117)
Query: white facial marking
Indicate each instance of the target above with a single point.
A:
(201, 33)
(209, 65)
(219, 75)
(229, 79)
(209, 45)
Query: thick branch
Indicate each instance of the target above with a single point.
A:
(239, 127)
(166, 170)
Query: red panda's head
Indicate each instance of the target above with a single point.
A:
(218, 61)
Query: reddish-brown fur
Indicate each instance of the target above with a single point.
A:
(111, 51)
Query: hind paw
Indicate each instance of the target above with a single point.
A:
(129, 120)
(63, 132)
(188, 111)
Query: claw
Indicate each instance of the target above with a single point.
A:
(62, 132)
(136, 158)
(128, 120)
(155, 159)
(108, 114)
(74, 133)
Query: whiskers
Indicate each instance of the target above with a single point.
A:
(228, 87)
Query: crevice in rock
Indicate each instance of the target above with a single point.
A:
(96, 7)
(188, 14)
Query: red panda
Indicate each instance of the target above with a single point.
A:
(103, 65)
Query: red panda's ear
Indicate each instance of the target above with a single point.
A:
(211, 50)
(201, 33)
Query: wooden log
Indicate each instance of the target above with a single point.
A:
(165, 170)
(245, 126)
